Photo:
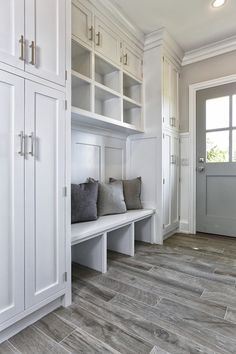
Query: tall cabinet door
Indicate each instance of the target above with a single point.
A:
(174, 181)
(167, 181)
(12, 32)
(44, 188)
(11, 196)
(45, 33)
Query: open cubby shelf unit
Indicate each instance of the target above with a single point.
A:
(102, 94)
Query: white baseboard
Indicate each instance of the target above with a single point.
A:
(184, 227)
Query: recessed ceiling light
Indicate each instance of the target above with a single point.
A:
(218, 3)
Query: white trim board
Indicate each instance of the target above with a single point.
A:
(209, 51)
(192, 142)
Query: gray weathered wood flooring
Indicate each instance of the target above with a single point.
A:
(177, 298)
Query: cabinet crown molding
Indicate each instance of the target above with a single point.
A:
(161, 38)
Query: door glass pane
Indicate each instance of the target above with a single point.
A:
(234, 110)
(217, 146)
(234, 146)
(217, 113)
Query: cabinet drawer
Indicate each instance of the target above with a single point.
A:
(107, 42)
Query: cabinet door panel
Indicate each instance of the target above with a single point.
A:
(167, 181)
(82, 23)
(45, 25)
(132, 61)
(175, 180)
(11, 30)
(11, 196)
(174, 102)
(45, 202)
(166, 92)
(107, 42)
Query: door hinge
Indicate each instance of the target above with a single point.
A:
(163, 58)
(163, 136)
(164, 181)
(66, 105)
(65, 191)
(66, 75)
(163, 119)
(65, 277)
(163, 226)
(179, 217)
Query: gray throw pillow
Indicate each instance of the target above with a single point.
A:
(132, 193)
(111, 198)
(84, 202)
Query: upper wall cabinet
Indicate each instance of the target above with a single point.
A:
(107, 42)
(170, 95)
(32, 37)
(132, 61)
(12, 32)
(82, 23)
(45, 39)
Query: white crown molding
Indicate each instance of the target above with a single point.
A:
(210, 51)
(164, 39)
(113, 12)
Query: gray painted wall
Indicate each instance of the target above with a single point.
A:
(222, 65)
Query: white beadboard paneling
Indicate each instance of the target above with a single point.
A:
(185, 182)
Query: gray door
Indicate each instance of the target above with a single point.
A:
(216, 160)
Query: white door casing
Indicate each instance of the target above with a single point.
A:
(11, 196)
(44, 187)
(45, 33)
(11, 30)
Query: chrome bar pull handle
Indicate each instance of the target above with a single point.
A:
(22, 48)
(31, 152)
(91, 33)
(98, 35)
(22, 138)
(126, 59)
(33, 50)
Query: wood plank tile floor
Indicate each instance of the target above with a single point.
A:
(177, 298)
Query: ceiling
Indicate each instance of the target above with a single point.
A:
(193, 23)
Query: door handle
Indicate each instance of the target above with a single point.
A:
(201, 169)
(31, 137)
(33, 49)
(22, 47)
(98, 35)
(22, 139)
(126, 59)
(91, 33)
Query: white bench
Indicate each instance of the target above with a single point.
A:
(90, 240)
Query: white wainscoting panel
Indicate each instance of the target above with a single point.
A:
(97, 155)
(185, 193)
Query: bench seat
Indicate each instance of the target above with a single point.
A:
(90, 240)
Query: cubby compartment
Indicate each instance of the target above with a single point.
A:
(81, 59)
(132, 88)
(132, 113)
(107, 74)
(81, 93)
(107, 104)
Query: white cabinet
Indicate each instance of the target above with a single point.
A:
(170, 181)
(45, 39)
(11, 196)
(45, 200)
(32, 212)
(170, 95)
(132, 61)
(82, 23)
(107, 42)
(33, 35)
(12, 32)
